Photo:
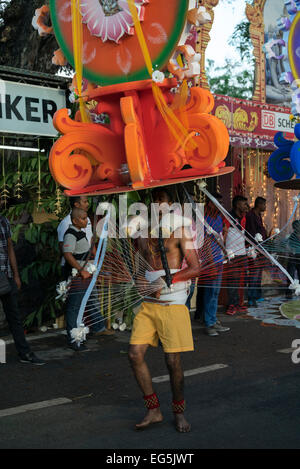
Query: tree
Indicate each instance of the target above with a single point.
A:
(235, 79)
(230, 80)
(20, 44)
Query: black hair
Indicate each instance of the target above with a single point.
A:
(237, 199)
(162, 190)
(259, 200)
(73, 200)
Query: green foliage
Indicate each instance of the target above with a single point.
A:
(235, 79)
(242, 41)
(230, 80)
(38, 197)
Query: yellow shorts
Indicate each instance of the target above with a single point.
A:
(169, 323)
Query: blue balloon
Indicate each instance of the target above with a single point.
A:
(279, 165)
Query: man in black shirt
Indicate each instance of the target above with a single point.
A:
(8, 265)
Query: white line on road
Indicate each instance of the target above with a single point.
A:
(35, 406)
(287, 350)
(196, 371)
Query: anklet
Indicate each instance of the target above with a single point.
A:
(151, 402)
(178, 407)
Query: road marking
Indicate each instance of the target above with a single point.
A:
(196, 371)
(35, 406)
(287, 350)
(8, 340)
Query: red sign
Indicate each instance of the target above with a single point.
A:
(252, 124)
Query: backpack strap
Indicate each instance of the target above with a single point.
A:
(78, 235)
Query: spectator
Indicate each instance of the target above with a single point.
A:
(293, 265)
(208, 295)
(255, 226)
(235, 246)
(75, 202)
(8, 265)
(76, 249)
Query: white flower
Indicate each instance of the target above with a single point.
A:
(78, 334)
(252, 253)
(230, 254)
(202, 185)
(72, 98)
(258, 238)
(62, 290)
(158, 77)
(295, 286)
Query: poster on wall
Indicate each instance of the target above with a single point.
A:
(279, 17)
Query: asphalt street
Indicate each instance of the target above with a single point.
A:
(242, 391)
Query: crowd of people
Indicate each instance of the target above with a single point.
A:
(164, 315)
(234, 249)
(75, 238)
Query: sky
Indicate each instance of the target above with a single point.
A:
(226, 18)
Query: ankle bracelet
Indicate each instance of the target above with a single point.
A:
(178, 407)
(151, 401)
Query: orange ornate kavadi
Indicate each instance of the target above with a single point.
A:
(147, 126)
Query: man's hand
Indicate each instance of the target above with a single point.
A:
(84, 274)
(18, 281)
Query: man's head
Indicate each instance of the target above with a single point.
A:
(162, 195)
(80, 202)
(240, 204)
(260, 204)
(79, 217)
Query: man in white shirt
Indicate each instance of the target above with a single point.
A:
(75, 202)
(235, 244)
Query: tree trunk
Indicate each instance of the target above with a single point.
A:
(20, 44)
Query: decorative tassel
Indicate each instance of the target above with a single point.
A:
(58, 206)
(39, 201)
(19, 184)
(5, 191)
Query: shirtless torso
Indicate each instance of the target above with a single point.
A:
(178, 246)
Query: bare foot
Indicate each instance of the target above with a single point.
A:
(152, 416)
(181, 424)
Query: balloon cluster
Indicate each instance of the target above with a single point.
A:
(284, 163)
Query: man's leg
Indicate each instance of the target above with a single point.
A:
(173, 363)
(95, 319)
(141, 372)
(12, 313)
(233, 282)
(72, 309)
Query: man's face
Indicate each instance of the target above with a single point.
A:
(243, 206)
(262, 207)
(83, 203)
(81, 222)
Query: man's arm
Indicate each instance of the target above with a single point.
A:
(13, 262)
(70, 259)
